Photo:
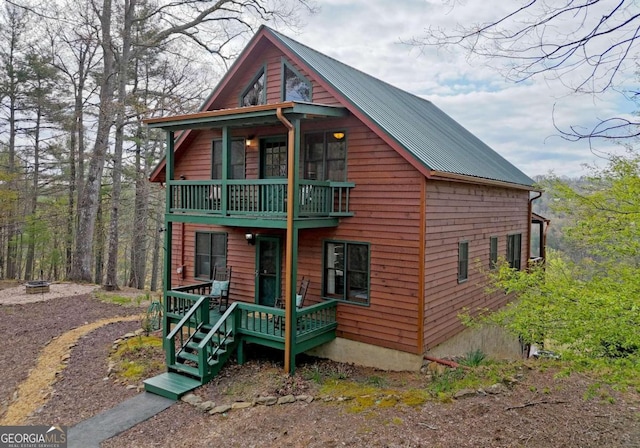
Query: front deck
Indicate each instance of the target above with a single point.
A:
(199, 339)
(258, 324)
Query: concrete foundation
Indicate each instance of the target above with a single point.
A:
(345, 350)
(494, 342)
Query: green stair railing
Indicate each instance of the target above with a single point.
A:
(183, 332)
(216, 343)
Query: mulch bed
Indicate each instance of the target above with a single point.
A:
(26, 328)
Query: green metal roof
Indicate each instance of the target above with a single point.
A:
(435, 139)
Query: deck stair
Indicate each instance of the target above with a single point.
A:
(196, 351)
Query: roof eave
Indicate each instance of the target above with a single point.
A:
(440, 175)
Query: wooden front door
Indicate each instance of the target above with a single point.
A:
(268, 262)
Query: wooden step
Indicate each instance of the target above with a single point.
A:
(170, 385)
(189, 356)
(193, 371)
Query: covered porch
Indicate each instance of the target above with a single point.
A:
(270, 192)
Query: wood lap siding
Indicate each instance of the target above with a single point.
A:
(458, 212)
(386, 202)
(272, 57)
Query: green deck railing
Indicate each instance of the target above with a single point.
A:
(261, 324)
(259, 197)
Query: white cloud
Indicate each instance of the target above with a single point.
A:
(514, 119)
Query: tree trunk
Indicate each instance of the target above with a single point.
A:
(31, 248)
(123, 70)
(140, 221)
(88, 204)
(157, 255)
(99, 261)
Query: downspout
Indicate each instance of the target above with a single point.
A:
(288, 316)
(529, 231)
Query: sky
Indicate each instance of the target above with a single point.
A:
(515, 119)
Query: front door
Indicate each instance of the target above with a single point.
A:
(268, 250)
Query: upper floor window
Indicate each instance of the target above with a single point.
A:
(514, 250)
(346, 272)
(325, 156)
(493, 252)
(211, 250)
(463, 261)
(236, 160)
(295, 87)
(256, 93)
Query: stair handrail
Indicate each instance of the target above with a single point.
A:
(202, 352)
(218, 324)
(171, 347)
(187, 317)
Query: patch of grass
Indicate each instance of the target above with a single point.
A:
(443, 386)
(473, 358)
(361, 397)
(138, 358)
(376, 380)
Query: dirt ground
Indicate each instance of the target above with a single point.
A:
(534, 408)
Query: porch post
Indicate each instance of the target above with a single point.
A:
(292, 241)
(168, 227)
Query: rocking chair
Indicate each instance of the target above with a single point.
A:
(219, 294)
(300, 296)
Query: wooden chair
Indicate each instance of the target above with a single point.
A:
(219, 294)
(300, 296)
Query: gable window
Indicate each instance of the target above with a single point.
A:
(256, 93)
(346, 272)
(463, 261)
(514, 250)
(236, 160)
(211, 250)
(325, 156)
(493, 252)
(295, 87)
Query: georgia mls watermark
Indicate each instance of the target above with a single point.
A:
(33, 437)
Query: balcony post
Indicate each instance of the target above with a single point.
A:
(226, 150)
(168, 227)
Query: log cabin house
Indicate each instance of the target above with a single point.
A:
(299, 166)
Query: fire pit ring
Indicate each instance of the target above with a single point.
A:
(37, 287)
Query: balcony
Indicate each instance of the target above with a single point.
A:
(258, 199)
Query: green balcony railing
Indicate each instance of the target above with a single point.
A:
(262, 197)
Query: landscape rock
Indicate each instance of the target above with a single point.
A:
(191, 399)
(267, 401)
(220, 409)
(496, 389)
(463, 393)
(206, 406)
(241, 405)
(287, 399)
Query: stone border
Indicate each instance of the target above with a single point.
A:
(211, 408)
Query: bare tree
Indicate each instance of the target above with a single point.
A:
(12, 91)
(587, 44)
(210, 25)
